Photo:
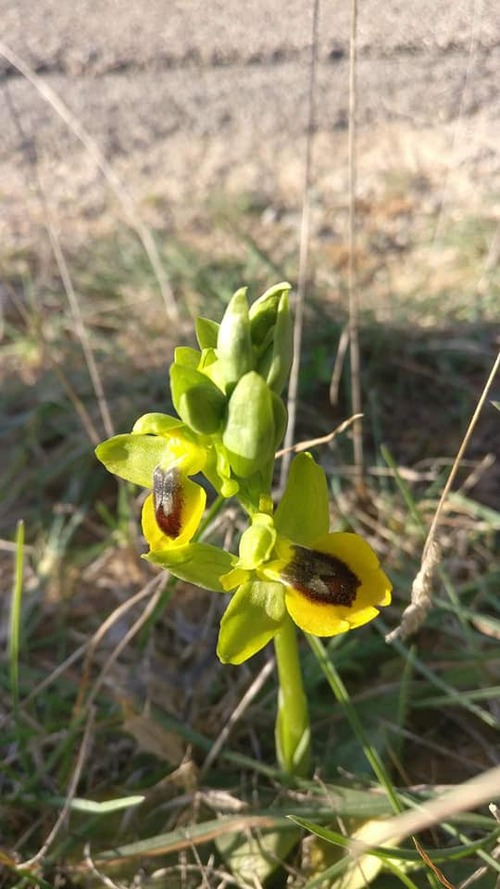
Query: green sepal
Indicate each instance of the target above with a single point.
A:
(257, 542)
(218, 471)
(196, 399)
(249, 432)
(254, 615)
(303, 514)
(157, 424)
(234, 344)
(198, 563)
(207, 332)
(263, 314)
(276, 361)
(187, 357)
(133, 457)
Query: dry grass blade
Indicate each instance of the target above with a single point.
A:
(414, 614)
(463, 798)
(154, 586)
(81, 330)
(237, 713)
(351, 280)
(293, 387)
(75, 126)
(75, 778)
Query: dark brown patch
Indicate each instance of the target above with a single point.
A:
(321, 577)
(168, 500)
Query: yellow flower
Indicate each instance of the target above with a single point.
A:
(332, 587)
(328, 582)
(161, 454)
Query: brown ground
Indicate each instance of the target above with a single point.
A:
(187, 99)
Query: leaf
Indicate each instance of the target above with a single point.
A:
(253, 859)
(104, 807)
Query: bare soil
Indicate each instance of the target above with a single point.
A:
(187, 99)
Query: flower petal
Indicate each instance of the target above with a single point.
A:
(303, 512)
(334, 587)
(319, 620)
(254, 615)
(133, 457)
(375, 587)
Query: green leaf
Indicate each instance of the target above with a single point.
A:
(252, 861)
(303, 512)
(132, 457)
(198, 563)
(206, 333)
(196, 399)
(254, 615)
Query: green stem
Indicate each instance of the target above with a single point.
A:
(293, 734)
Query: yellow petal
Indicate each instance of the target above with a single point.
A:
(326, 598)
(375, 587)
(314, 618)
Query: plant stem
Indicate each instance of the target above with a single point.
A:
(293, 734)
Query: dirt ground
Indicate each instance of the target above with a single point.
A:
(186, 99)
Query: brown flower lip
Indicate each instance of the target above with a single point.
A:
(168, 500)
(321, 577)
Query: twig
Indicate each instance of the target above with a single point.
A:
(293, 386)
(324, 439)
(421, 593)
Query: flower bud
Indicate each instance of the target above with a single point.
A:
(196, 399)
(234, 345)
(249, 432)
(263, 314)
(275, 363)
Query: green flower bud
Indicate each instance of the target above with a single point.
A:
(196, 399)
(263, 313)
(276, 361)
(234, 344)
(257, 542)
(249, 432)
(280, 419)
